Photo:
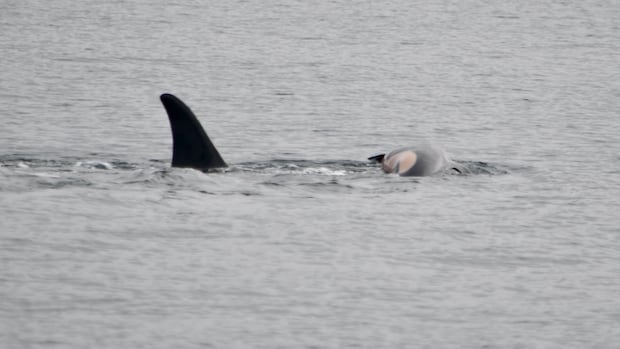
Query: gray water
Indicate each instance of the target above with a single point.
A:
(302, 242)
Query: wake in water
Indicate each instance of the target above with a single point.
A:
(350, 167)
(19, 172)
(276, 166)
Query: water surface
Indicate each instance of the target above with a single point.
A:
(302, 242)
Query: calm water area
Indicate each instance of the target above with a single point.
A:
(301, 242)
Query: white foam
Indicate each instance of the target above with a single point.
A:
(324, 171)
(101, 165)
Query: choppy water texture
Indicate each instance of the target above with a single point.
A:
(302, 242)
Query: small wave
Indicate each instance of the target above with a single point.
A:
(21, 161)
(324, 171)
(167, 176)
(94, 164)
(39, 174)
(147, 176)
(306, 167)
(58, 183)
(63, 163)
(480, 168)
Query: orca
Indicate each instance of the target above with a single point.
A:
(415, 161)
(192, 148)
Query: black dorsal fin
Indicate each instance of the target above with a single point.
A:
(191, 146)
(378, 158)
